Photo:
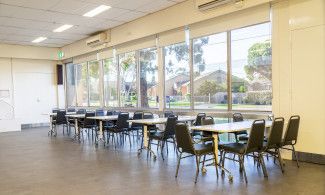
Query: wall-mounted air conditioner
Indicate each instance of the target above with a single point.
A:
(98, 39)
(203, 5)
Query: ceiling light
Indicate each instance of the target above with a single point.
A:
(39, 39)
(63, 28)
(97, 11)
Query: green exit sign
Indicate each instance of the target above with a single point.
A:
(60, 54)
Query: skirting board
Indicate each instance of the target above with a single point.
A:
(34, 125)
(10, 125)
(310, 157)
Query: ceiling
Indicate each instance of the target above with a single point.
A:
(22, 21)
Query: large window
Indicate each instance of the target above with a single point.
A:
(128, 78)
(210, 72)
(71, 85)
(177, 76)
(82, 84)
(110, 83)
(251, 60)
(148, 78)
(94, 85)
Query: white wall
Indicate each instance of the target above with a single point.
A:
(32, 85)
(299, 68)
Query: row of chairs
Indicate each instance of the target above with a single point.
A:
(256, 145)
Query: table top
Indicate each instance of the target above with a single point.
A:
(76, 115)
(228, 127)
(161, 120)
(54, 114)
(104, 118)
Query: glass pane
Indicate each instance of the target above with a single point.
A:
(82, 84)
(252, 68)
(71, 85)
(110, 83)
(148, 78)
(210, 72)
(128, 75)
(94, 85)
(177, 76)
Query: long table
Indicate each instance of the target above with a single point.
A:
(226, 128)
(155, 121)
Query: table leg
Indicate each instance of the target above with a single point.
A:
(145, 142)
(51, 131)
(77, 135)
(100, 136)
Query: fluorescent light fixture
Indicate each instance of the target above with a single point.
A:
(63, 28)
(39, 39)
(97, 11)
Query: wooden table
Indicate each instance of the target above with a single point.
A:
(226, 128)
(155, 121)
(101, 119)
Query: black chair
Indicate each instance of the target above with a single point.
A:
(60, 120)
(121, 128)
(71, 110)
(88, 124)
(274, 140)
(71, 122)
(254, 145)
(99, 112)
(81, 111)
(137, 115)
(197, 122)
(240, 135)
(168, 113)
(186, 145)
(163, 136)
(291, 136)
(55, 110)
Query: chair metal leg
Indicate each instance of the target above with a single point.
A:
(162, 149)
(198, 158)
(263, 164)
(294, 153)
(178, 163)
(241, 161)
(280, 160)
(216, 164)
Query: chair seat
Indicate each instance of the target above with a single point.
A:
(156, 135)
(201, 149)
(234, 148)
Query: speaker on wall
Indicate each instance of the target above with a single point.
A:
(59, 73)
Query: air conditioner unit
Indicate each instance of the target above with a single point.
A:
(98, 39)
(203, 5)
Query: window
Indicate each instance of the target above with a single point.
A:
(177, 76)
(82, 84)
(71, 85)
(251, 62)
(110, 83)
(128, 78)
(94, 85)
(210, 72)
(148, 78)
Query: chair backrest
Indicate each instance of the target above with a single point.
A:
(183, 139)
(170, 126)
(168, 113)
(199, 119)
(71, 110)
(237, 117)
(87, 121)
(81, 111)
(291, 133)
(122, 120)
(147, 115)
(136, 116)
(60, 117)
(99, 112)
(110, 112)
(256, 136)
(207, 120)
(275, 136)
(55, 110)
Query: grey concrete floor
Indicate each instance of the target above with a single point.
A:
(33, 163)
